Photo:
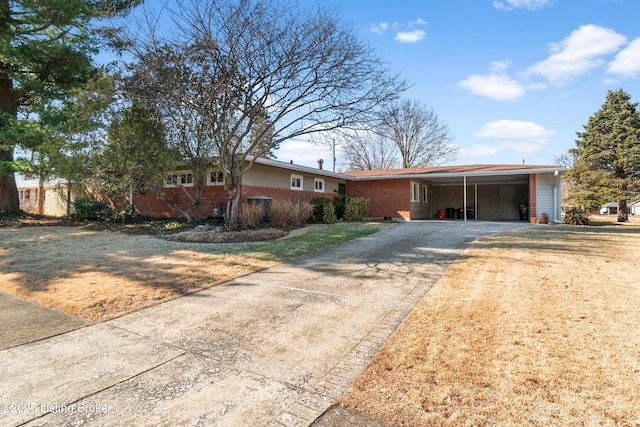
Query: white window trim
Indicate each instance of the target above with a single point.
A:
(210, 182)
(178, 174)
(425, 194)
(296, 177)
(315, 185)
(415, 191)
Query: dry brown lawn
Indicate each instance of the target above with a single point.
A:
(537, 326)
(100, 275)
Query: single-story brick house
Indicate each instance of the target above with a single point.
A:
(484, 192)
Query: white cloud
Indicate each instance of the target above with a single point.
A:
(410, 36)
(379, 28)
(577, 54)
(526, 4)
(500, 66)
(511, 135)
(627, 62)
(494, 86)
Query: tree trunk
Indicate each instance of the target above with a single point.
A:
(172, 204)
(40, 196)
(68, 199)
(9, 200)
(233, 188)
(622, 211)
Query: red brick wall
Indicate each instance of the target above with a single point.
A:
(282, 193)
(532, 198)
(388, 197)
(149, 205)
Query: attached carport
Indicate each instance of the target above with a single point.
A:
(471, 192)
(481, 197)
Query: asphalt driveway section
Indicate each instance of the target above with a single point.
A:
(275, 347)
(23, 321)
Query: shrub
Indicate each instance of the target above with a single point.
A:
(577, 216)
(329, 214)
(89, 209)
(286, 214)
(115, 215)
(304, 211)
(339, 203)
(318, 204)
(250, 215)
(356, 209)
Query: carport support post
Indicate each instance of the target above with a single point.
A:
(555, 196)
(464, 203)
(475, 201)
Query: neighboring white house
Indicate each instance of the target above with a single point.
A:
(612, 208)
(609, 208)
(55, 195)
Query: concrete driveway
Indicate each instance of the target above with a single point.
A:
(273, 348)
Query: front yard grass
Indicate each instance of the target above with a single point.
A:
(100, 275)
(537, 326)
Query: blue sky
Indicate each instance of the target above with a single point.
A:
(513, 79)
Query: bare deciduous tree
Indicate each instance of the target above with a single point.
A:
(368, 150)
(237, 77)
(422, 139)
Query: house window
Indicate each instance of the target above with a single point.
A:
(216, 178)
(24, 195)
(415, 192)
(184, 179)
(318, 185)
(296, 182)
(425, 194)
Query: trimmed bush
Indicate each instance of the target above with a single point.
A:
(339, 202)
(318, 205)
(89, 209)
(356, 209)
(576, 216)
(329, 214)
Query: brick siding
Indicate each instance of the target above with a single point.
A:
(532, 198)
(387, 197)
(149, 205)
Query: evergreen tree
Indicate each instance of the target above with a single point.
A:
(45, 52)
(607, 155)
(135, 156)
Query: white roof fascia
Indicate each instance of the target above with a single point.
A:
(299, 168)
(463, 174)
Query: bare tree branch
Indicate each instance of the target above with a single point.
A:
(238, 77)
(368, 150)
(422, 139)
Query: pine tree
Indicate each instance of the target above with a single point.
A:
(607, 155)
(45, 51)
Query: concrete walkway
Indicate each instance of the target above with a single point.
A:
(273, 348)
(23, 321)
